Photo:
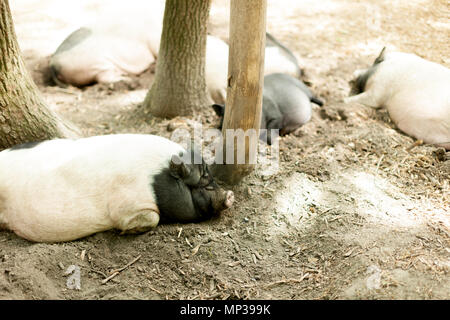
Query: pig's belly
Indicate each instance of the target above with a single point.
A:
(433, 131)
(426, 118)
(53, 211)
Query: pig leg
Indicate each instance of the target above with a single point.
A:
(365, 98)
(3, 225)
(141, 221)
(109, 76)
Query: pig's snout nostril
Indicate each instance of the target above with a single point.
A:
(229, 199)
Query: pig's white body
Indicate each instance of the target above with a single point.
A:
(415, 92)
(216, 68)
(100, 59)
(276, 62)
(64, 189)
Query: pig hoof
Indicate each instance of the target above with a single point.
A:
(229, 199)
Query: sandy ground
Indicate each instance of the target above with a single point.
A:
(355, 211)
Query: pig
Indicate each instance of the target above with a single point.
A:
(414, 91)
(123, 41)
(63, 189)
(286, 105)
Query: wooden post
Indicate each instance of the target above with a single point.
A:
(245, 85)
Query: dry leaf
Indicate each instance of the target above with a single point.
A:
(195, 250)
(82, 255)
(312, 260)
(349, 252)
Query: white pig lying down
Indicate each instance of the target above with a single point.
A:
(123, 40)
(415, 92)
(61, 190)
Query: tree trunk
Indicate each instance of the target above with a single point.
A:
(245, 85)
(179, 83)
(24, 116)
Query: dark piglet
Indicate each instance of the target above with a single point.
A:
(286, 105)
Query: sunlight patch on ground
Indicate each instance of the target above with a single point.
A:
(303, 201)
(380, 201)
(293, 203)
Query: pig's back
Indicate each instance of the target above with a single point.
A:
(84, 155)
(290, 95)
(405, 71)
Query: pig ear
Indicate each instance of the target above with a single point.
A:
(178, 168)
(380, 57)
(219, 109)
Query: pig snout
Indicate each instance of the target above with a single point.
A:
(229, 199)
(222, 199)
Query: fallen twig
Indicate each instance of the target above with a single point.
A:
(63, 90)
(153, 289)
(415, 144)
(117, 271)
(99, 272)
(213, 296)
(288, 281)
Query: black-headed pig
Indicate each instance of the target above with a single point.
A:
(63, 189)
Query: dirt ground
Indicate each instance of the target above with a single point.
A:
(356, 210)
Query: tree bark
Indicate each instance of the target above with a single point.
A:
(24, 116)
(179, 84)
(245, 85)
